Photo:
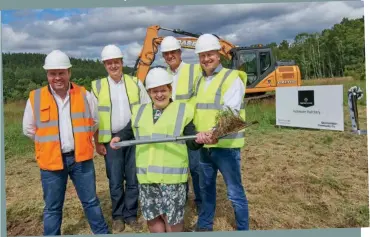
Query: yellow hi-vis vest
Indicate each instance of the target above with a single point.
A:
(188, 75)
(165, 163)
(208, 102)
(101, 90)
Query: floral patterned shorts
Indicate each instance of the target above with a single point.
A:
(158, 199)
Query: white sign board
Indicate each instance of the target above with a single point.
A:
(317, 107)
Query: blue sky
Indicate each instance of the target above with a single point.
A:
(84, 32)
(12, 16)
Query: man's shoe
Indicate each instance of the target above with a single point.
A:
(135, 225)
(118, 226)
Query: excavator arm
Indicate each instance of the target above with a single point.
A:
(153, 40)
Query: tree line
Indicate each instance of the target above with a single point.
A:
(23, 72)
(335, 52)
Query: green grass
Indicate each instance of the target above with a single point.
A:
(16, 144)
(347, 84)
(294, 178)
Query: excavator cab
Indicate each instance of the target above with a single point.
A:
(256, 62)
(263, 71)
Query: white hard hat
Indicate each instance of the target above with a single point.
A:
(111, 51)
(207, 42)
(170, 43)
(56, 59)
(157, 77)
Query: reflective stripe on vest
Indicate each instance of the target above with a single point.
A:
(161, 162)
(47, 137)
(161, 170)
(177, 130)
(214, 107)
(101, 90)
(190, 82)
(186, 80)
(217, 104)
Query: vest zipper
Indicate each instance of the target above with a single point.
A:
(60, 140)
(70, 116)
(111, 108)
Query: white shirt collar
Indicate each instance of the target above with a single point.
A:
(113, 81)
(178, 68)
(54, 93)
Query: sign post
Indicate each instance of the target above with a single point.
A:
(316, 107)
(354, 94)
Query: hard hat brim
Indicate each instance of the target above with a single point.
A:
(157, 85)
(170, 49)
(108, 58)
(207, 50)
(56, 67)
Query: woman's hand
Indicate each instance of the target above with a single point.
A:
(113, 141)
(206, 138)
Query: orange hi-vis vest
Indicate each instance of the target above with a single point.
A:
(47, 138)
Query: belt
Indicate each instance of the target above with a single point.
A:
(69, 153)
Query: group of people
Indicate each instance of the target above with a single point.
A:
(65, 120)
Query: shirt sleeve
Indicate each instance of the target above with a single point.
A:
(144, 97)
(93, 106)
(233, 97)
(29, 124)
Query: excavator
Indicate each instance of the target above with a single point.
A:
(264, 73)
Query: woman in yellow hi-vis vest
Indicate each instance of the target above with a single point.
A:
(162, 168)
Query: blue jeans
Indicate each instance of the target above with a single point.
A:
(120, 167)
(194, 158)
(54, 185)
(228, 162)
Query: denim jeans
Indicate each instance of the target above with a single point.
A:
(54, 185)
(228, 162)
(120, 166)
(194, 156)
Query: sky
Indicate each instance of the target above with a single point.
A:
(83, 33)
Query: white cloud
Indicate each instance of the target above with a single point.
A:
(84, 35)
(131, 52)
(12, 38)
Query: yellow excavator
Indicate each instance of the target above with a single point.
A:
(264, 73)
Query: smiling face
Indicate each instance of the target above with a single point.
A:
(114, 68)
(172, 58)
(209, 61)
(59, 79)
(160, 96)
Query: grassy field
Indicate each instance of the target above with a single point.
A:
(294, 178)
